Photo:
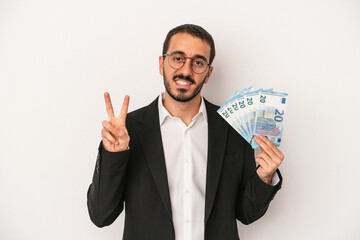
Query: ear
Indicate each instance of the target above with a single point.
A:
(161, 65)
(208, 74)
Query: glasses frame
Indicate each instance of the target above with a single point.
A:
(192, 59)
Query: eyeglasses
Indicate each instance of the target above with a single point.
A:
(177, 60)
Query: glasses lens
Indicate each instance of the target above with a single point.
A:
(199, 65)
(176, 60)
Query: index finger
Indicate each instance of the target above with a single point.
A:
(124, 108)
(272, 146)
(109, 107)
(264, 145)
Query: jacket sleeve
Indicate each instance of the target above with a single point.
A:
(105, 196)
(254, 195)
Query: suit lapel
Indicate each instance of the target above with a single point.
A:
(217, 134)
(151, 142)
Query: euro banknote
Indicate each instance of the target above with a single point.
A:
(253, 112)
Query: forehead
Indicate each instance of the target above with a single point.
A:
(190, 45)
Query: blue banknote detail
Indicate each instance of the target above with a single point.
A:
(265, 124)
(253, 112)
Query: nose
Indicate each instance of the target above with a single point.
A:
(186, 68)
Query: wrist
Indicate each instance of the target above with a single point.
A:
(266, 179)
(123, 149)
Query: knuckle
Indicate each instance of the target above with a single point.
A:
(112, 137)
(277, 161)
(109, 134)
(266, 148)
(106, 134)
(105, 130)
(106, 124)
(273, 165)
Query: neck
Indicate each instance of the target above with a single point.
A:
(186, 111)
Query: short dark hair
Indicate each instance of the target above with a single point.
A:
(195, 31)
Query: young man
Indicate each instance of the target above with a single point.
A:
(181, 170)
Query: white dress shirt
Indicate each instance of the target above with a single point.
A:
(185, 151)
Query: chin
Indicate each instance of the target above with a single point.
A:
(182, 95)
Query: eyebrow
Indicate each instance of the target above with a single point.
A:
(196, 56)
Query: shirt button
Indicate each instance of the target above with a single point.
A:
(186, 133)
(187, 220)
(187, 191)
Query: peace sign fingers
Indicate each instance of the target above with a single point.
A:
(114, 133)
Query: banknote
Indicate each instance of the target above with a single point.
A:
(270, 115)
(253, 112)
(230, 112)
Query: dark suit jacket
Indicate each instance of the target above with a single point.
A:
(137, 177)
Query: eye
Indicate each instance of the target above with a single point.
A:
(178, 58)
(198, 62)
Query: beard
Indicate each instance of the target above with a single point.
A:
(181, 95)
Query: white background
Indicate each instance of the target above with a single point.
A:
(57, 58)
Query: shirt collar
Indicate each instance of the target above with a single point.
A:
(164, 114)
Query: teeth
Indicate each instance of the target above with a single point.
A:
(182, 82)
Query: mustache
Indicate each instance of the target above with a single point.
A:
(187, 78)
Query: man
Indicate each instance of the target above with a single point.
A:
(181, 171)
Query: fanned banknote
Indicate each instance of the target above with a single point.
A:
(253, 112)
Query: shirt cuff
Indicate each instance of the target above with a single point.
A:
(275, 179)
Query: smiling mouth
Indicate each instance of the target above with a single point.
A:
(183, 82)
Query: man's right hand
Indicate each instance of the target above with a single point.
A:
(114, 133)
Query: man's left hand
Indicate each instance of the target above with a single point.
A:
(269, 159)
